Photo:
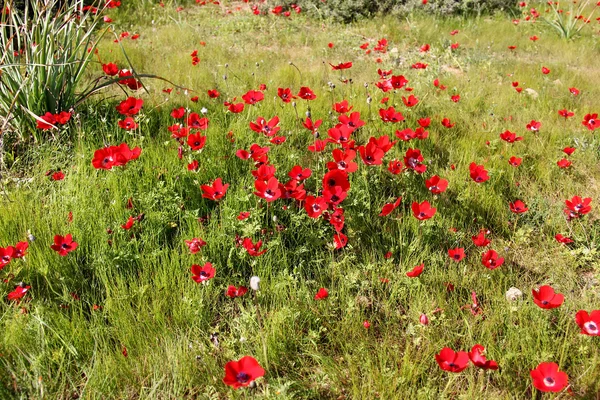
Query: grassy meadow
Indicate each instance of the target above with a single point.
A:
(120, 316)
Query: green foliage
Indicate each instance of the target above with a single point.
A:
(568, 24)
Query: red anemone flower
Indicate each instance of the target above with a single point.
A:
(589, 323)
(518, 207)
(491, 260)
(64, 244)
(215, 191)
(127, 124)
(202, 274)
(196, 141)
(243, 372)
(268, 190)
(233, 292)
(547, 378)
(195, 245)
(546, 298)
(19, 292)
(436, 185)
(253, 97)
(479, 360)
(457, 254)
(478, 173)
(416, 271)
(422, 211)
(452, 361)
(388, 208)
(253, 248)
(306, 93)
(480, 240)
(322, 293)
(130, 106)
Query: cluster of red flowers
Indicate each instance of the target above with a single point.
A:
(49, 120)
(114, 156)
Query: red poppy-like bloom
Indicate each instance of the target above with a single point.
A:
(545, 70)
(315, 206)
(267, 128)
(268, 190)
(452, 361)
(306, 93)
(390, 115)
(353, 120)
(195, 245)
(490, 260)
(213, 93)
(340, 135)
(398, 81)
(322, 293)
(547, 378)
(64, 244)
(20, 249)
(253, 97)
(340, 240)
(447, 123)
(215, 191)
(194, 121)
(298, 173)
(410, 101)
(336, 178)
(534, 126)
(589, 323)
(196, 141)
(202, 274)
(510, 137)
(515, 161)
(243, 372)
(478, 173)
(422, 211)
(285, 94)
(395, 167)
(6, 254)
(18, 293)
(565, 113)
(341, 66)
(480, 240)
(342, 107)
(389, 207)
(58, 176)
(414, 160)
(114, 156)
(110, 69)
(457, 254)
(577, 207)
(253, 248)
(129, 224)
(546, 298)
(436, 185)
(243, 215)
(127, 124)
(562, 239)
(371, 154)
(233, 292)
(416, 271)
(479, 360)
(518, 207)
(235, 108)
(130, 106)
(591, 121)
(563, 163)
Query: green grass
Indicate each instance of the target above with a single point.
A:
(54, 346)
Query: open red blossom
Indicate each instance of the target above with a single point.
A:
(352, 121)
(398, 81)
(315, 206)
(515, 161)
(565, 113)
(215, 191)
(510, 137)
(534, 126)
(235, 108)
(436, 185)
(110, 69)
(479, 360)
(564, 163)
(390, 115)
(547, 378)
(371, 154)
(6, 254)
(577, 207)
(268, 190)
(196, 141)
(518, 207)
(318, 146)
(410, 101)
(243, 215)
(19, 292)
(64, 244)
(243, 372)
(422, 211)
(416, 271)
(389, 207)
(341, 66)
(298, 173)
(340, 135)
(343, 161)
(253, 248)
(589, 323)
(306, 93)
(457, 254)
(414, 160)
(264, 172)
(342, 107)
(480, 240)
(194, 121)
(267, 128)
(395, 167)
(340, 240)
(406, 134)
(233, 292)
(46, 121)
(193, 166)
(322, 293)
(195, 245)
(545, 70)
(213, 93)
(562, 239)
(478, 173)
(491, 260)
(336, 178)
(114, 156)
(569, 150)
(127, 124)
(58, 176)
(546, 298)
(447, 123)
(129, 224)
(285, 94)
(591, 121)
(202, 274)
(253, 97)
(131, 106)
(19, 250)
(452, 361)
